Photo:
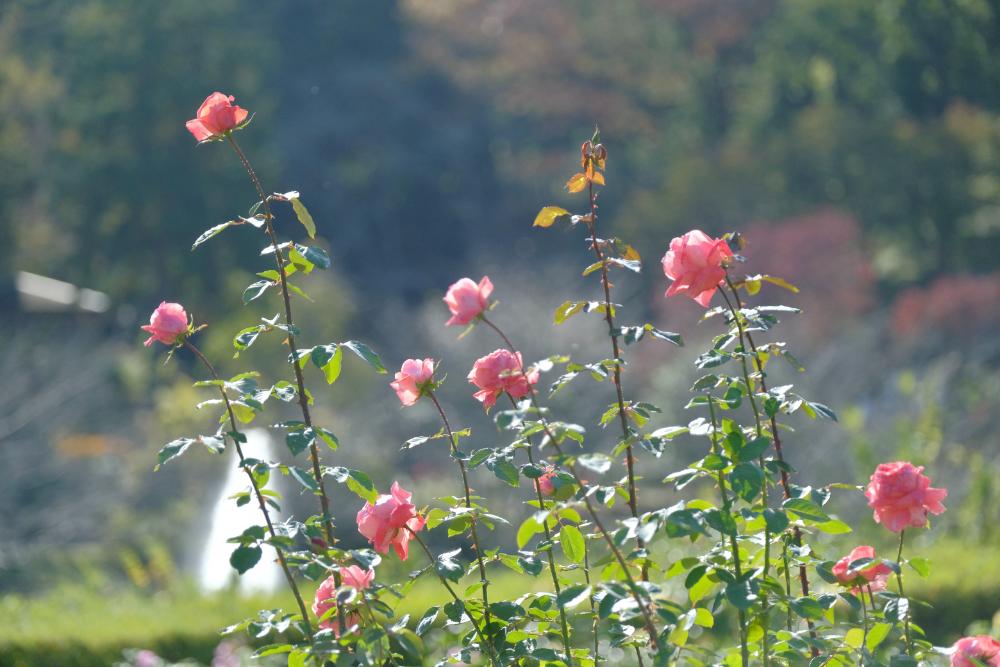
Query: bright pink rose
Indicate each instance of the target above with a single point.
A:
(694, 262)
(216, 116)
(412, 379)
(873, 574)
(983, 648)
(499, 372)
(545, 483)
(466, 300)
(389, 521)
(326, 596)
(166, 323)
(901, 496)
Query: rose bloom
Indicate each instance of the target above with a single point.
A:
(498, 372)
(983, 648)
(216, 116)
(466, 300)
(901, 496)
(326, 596)
(694, 262)
(389, 521)
(545, 482)
(872, 574)
(412, 379)
(166, 323)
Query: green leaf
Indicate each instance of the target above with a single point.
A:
(304, 478)
(366, 353)
(877, 634)
(211, 232)
(299, 441)
(448, 567)
(302, 213)
(573, 595)
(314, 255)
(549, 215)
(922, 566)
(255, 289)
(173, 449)
(328, 358)
(244, 557)
(806, 509)
(529, 527)
(362, 485)
(427, 620)
(754, 449)
(747, 480)
(506, 472)
(572, 542)
(668, 336)
(599, 463)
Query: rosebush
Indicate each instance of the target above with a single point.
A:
(752, 585)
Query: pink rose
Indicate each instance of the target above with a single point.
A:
(695, 264)
(983, 648)
(466, 300)
(389, 521)
(499, 372)
(901, 496)
(354, 576)
(873, 574)
(545, 482)
(146, 658)
(326, 596)
(412, 380)
(216, 116)
(166, 323)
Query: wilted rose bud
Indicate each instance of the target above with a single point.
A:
(600, 152)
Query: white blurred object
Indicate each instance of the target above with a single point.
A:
(42, 294)
(228, 520)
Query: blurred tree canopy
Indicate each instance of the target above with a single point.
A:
(425, 130)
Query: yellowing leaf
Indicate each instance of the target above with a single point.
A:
(631, 253)
(577, 183)
(548, 215)
(302, 213)
(598, 178)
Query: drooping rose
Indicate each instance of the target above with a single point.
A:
(498, 372)
(216, 116)
(389, 521)
(326, 596)
(901, 496)
(166, 323)
(466, 300)
(695, 264)
(412, 379)
(872, 574)
(983, 648)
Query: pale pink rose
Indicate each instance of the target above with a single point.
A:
(326, 596)
(901, 496)
(695, 264)
(216, 116)
(545, 484)
(466, 300)
(983, 648)
(873, 574)
(146, 658)
(166, 323)
(498, 372)
(412, 379)
(389, 521)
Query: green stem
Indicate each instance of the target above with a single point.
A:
(468, 504)
(564, 624)
(257, 493)
(637, 594)
(461, 603)
(303, 397)
(593, 607)
(734, 546)
(902, 595)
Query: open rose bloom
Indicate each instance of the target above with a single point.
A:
(326, 596)
(390, 521)
(166, 324)
(695, 264)
(466, 300)
(901, 496)
(216, 116)
(873, 574)
(413, 379)
(983, 648)
(498, 372)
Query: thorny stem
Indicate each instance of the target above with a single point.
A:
(256, 490)
(430, 557)
(564, 624)
(785, 484)
(637, 593)
(765, 638)
(899, 581)
(279, 260)
(468, 505)
(617, 375)
(593, 608)
(734, 546)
